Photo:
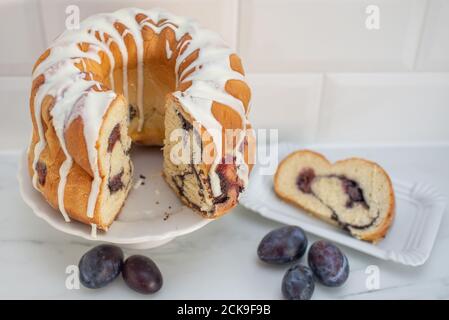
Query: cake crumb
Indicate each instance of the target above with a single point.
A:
(157, 202)
(141, 176)
(139, 182)
(166, 216)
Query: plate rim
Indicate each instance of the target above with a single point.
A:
(271, 212)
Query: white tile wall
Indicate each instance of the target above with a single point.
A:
(21, 36)
(218, 15)
(399, 107)
(317, 35)
(316, 72)
(272, 35)
(15, 123)
(434, 53)
(307, 108)
(288, 102)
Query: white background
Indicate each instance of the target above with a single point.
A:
(313, 60)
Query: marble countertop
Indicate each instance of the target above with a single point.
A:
(218, 261)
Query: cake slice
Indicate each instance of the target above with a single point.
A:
(354, 194)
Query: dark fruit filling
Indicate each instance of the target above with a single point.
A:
(179, 181)
(229, 180)
(185, 124)
(114, 137)
(350, 187)
(115, 183)
(354, 192)
(132, 112)
(41, 169)
(304, 180)
(222, 198)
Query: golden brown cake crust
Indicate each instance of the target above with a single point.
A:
(79, 179)
(374, 236)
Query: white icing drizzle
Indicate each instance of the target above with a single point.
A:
(104, 24)
(168, 50)
(71, 93)
(98, 102)
(55, 78)
(93, 231)
(242, 166)
(75, 95)
(130, 21)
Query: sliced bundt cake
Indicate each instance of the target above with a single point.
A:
(137, 76)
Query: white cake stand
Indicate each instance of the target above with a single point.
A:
(151, 217)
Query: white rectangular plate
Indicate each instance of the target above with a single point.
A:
(419, 209)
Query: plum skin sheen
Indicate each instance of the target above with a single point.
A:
(298, 283)
(283, 245)
(328, 263)
(100, 266)
(142, 275)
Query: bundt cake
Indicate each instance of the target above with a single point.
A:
(145, 77)
(354, 194)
